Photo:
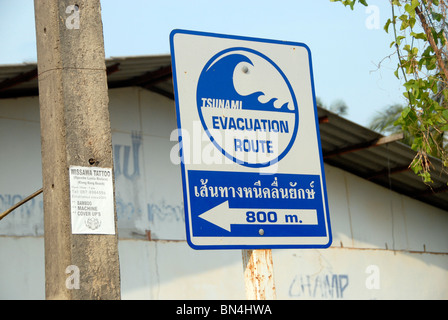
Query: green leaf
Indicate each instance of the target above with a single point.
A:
(404, 21)
(434, 87)
(417, 169)
(399, 38)
(410, 84)
(386, 26)
(420, 36)
(408, 9)
(437, 16)
(445, 114)
(363, 2)
(405, 112)
(426, 177)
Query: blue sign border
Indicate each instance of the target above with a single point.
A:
(183, 170)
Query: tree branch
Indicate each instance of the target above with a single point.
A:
(432, 42)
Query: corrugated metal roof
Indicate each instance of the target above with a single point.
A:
(353, 148)
(345, 144)
(131, 67)
(21, 80)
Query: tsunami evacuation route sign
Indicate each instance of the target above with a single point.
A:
(251, 160)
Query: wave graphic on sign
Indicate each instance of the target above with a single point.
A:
(217, 89)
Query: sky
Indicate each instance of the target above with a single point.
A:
(352, 60)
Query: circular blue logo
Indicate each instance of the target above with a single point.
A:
(247, 107)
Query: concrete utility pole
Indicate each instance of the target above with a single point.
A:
(75, 131)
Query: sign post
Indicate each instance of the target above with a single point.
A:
(251, 160)
(259, 274)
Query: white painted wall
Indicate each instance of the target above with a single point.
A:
(385, 245)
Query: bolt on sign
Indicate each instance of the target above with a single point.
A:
(251, 160)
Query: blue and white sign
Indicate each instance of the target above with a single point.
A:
(251, 159)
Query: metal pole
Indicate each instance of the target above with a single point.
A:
(259, 274)
(75, 131)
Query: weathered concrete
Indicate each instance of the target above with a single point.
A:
(75, 130)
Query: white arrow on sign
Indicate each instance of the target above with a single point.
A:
(224, 217)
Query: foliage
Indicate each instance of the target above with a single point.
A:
(384, 120)
(339, 106)
(385, 123)
(420, 32)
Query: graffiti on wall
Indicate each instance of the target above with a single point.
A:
(320, 286)
(26, 220)
(122, 158)
(164, 211)
(134, 209)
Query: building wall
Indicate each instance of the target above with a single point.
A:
(385, 245)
